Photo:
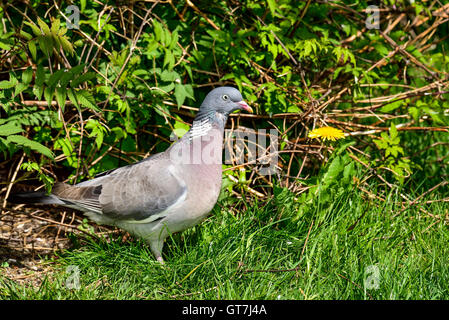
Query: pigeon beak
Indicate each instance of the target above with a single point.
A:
(243, 105)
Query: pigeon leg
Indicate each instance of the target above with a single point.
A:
(156, 248)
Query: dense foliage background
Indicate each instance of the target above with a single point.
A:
(79, 101)
(76, 102)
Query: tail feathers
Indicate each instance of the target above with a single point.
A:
(36, 197)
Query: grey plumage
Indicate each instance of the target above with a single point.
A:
(165, 193)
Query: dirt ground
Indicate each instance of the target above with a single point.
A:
(30, 235)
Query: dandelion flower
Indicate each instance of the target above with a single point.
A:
(326, 133)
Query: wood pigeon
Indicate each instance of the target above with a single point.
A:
(165, 193)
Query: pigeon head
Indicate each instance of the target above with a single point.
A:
(224, 100)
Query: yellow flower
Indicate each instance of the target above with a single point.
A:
(326, 133)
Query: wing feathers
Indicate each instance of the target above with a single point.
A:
(142, 192)
(138, 193)
(86, 198)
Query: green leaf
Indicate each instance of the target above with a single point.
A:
(272, 6)
(169, 76)
(119, 133)
(26, 35)
(65, 78)
(348, 173)
(174, 40)
(157, 29)
(334, 169)
(48, 95)
(46, 44)
(10, 128)
(5, 84)
(44, 26)
(34, 27)
(27, 75)
(54, 78)
(415, 113)
(30, 166)
(77, 69)
(344, 147)
(189, 91)
(167, 39)
(40, 75)
(60, 97)
(167, 88)
(381, 144)
(32, 48)
(180, 94)
(97, 131)
(25, 142)
(38, 91)
(169, 59)
(64, 145)
(391, 106)
(72, 98)
(393, 131)
(83, 78)
(66, 45)
(56, 23)
(381, 49)
(180, 127)
(19, 88)
(86, 99)
(38, 88)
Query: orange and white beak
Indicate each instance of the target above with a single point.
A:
(245, 106)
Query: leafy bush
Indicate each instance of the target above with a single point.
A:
(79, 101)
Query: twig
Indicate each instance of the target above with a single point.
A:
(11, 183)
(192, 5)
(410, 204)
(131, 50)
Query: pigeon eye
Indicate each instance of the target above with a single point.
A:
(225, 97)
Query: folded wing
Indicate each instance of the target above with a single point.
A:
(141, 192)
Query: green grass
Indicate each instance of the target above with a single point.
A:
(248, 256)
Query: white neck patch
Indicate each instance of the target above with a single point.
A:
(200, 127)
